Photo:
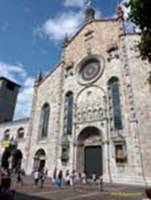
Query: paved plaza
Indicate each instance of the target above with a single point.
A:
(78, 192)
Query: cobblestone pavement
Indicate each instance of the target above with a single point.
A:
(78, 192)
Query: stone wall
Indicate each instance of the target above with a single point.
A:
(47, 92)
(142, 104)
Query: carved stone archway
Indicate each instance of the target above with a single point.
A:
(90, 139)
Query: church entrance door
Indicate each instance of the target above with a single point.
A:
(93, 160)
(89, 157)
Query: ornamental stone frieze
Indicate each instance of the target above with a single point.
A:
(89, 114)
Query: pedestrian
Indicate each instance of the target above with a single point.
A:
(71, 179)
(54, 175)
(45, 174)
(59, 179)
(93, 178)
(36, 177)
(79, 177)
(83, 178)
(101, 183)
(67, 178)
(20, 175)
(41, 178)
(75, 176)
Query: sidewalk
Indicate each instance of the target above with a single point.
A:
(77, 192)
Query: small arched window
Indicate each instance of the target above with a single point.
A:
(20, 133)
(114, 98)
(44, 120)
(6, 135)
(68, 113)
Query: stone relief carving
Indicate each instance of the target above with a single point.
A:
(112, 51)
(93, 140)
(90, 106)
(92, 113)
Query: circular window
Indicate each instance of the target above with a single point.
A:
(90, 70)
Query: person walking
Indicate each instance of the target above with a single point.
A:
(59, 179)
(67, 178)
(54, 177)
(36, 177)
(101, 183)
(71, 179)
(83, 178)
(94, 178)
(45, 174)
(20, 175)
(41, 178)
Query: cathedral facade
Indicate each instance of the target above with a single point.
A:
(92, 112)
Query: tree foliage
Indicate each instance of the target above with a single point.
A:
(140, 14)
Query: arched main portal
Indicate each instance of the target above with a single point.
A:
(89, 152)
(39, 159)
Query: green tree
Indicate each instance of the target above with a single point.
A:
(140, 14)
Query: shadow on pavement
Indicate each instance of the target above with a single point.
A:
(22, 196)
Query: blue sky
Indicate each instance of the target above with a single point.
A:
(31, 33)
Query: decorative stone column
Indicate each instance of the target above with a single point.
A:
(138, 165)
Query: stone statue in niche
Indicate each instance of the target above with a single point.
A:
(112, 51)
(65, 149)
(65, 154)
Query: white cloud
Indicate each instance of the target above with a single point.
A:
(75, 3)
(24, 101)
(64, 23)
(98, 14)
(18, 74)
(11, 71)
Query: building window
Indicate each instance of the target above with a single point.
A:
(68, 117)
(114, 100)
(90, 70)
(6, 135)
(120, 153)
(20, 133)
(44, 120)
